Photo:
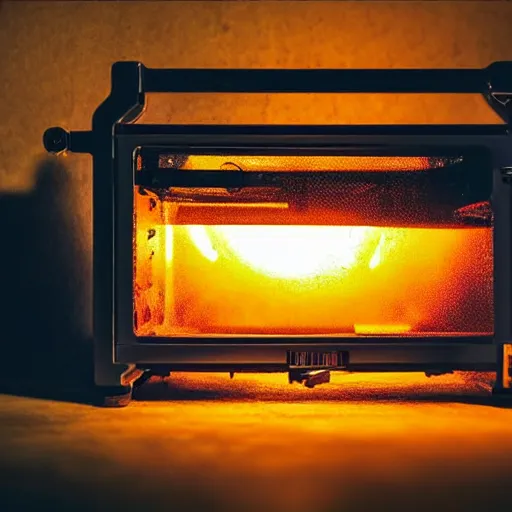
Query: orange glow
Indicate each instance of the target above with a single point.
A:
(292, 252)
(298, 280)
(381, 329)
(169, 243)
(200, 237)
(374, 262)
(310, 163)
(249, 206)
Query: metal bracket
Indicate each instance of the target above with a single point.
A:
(499, 89)
(502, 105)
(57, 140)
(125, 104)
(506, 174)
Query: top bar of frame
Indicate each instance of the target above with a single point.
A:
(497, 77)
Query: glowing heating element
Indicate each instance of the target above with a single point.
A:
(302, 163)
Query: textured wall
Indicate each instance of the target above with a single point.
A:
(55, 64)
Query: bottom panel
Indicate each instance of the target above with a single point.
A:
(370, 357)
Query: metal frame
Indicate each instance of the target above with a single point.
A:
(113, 139)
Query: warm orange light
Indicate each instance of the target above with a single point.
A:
(307, 280)
(202, 241)
(291, 252)
(377, 255)
(383, 329)
(169, 243)
(307, 163)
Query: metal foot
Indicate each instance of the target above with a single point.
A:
(437, 373)
(142, 379)
(118, 396)
(310, 378)
(502, 397)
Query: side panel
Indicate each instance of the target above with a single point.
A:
(502, 206)
(125, 103)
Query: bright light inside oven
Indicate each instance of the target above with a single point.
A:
(377, 255)
(289, 252)
(202, 241)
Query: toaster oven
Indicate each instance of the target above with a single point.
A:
(298, 249)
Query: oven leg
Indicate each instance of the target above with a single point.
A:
(503, 384)
(118, 396)
(310, 378)
(114, 383)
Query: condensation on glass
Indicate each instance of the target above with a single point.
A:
(296, 245)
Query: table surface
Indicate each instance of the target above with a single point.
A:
(362, 442)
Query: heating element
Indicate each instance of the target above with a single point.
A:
(301, 249)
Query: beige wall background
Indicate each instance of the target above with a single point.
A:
(55, 63)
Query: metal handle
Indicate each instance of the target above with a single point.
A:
(314, 81)
(131, 80)
(328, 80)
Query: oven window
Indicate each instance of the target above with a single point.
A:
(312, 245)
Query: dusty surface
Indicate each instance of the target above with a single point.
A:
(378, 442)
